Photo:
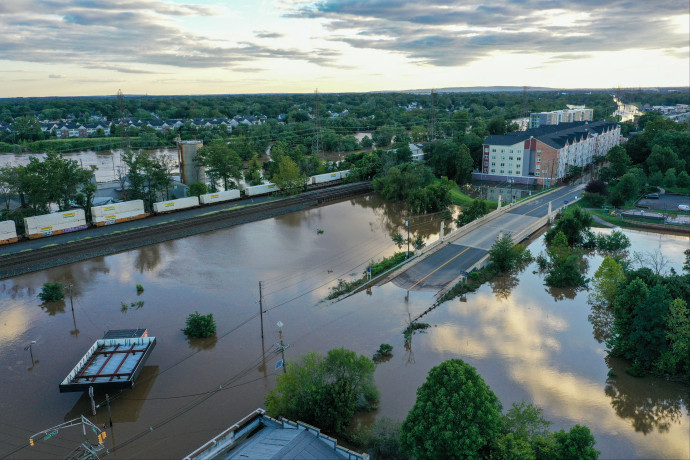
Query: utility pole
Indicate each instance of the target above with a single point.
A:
(407, 224)
(261, 311)
(317, 122)
(432, 118)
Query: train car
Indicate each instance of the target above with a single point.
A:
(322, 178)
(118, 212)
(8, 232)
(174, 205)
(261, 189)
(55, 223)
(227, 195)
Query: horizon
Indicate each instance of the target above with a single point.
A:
(200, 47)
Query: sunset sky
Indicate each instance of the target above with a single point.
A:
(95, 47)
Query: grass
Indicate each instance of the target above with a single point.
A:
(49, 245)
(680, 190)
(461, 199)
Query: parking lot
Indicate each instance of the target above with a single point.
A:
(664, 202)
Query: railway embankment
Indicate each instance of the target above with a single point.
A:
(91, 244)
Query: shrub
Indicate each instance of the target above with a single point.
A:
(615, 241)
(382, 440)
(596, 186)
(594, 199)
(384, 351)
(140, 288)
(51, 292)
(199, 325)
(197, 189)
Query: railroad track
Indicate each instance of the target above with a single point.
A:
(26, 261)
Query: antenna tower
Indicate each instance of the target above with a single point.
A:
(524, 102)
(122, 109)
(317, 123)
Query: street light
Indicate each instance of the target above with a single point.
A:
(31, 351)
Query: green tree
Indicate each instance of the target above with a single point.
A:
(564, 265)
(149, 176)
(197, 189)
(198, 325)
(619, 160)
(366, 142)
(608, 280)
(221, 163)
(505, 256)
(633, 294)
(676, 360)
(576, 444)
(51, 292)
(464, 167)
(288, 177)
(27, 129)
(253, 174)
(648, 333)
(670, 178)
(683, 179)
(574, 222)
(456, 415)
(325, 392)
(383, 440)
(474, 211)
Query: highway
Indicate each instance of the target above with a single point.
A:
(441, 267)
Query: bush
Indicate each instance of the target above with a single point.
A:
(51, 292)
(140, 288)
(596, 186)
(505, 256)
(615, 241)
(594, 199)
(384, 351)
(197, 189)
(382, 440)
(199, 325)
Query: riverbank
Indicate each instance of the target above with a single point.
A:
(97, 144)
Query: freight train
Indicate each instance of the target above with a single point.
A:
(74, 220)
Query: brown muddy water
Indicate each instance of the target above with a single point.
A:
(526, 341)
(108, 163)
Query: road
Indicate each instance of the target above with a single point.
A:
(445, 265)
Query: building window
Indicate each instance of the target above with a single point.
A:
(503, 164)
(493, 150)
(538, 152)
(538, 160)
(493, 157)
(538, 166)
(493, 170)
(511, 150)
(536, 173)
(518, 158)
(510, 158)
(493, 163)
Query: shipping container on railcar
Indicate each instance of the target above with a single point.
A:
(55, 223)
(261, 189)
(174, 205)
(343, 174)
(118, 212)
(8, 232)
(227, 195)
(321, 178)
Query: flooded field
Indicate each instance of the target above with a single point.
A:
(526, 341)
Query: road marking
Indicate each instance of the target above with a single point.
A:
(440, 267)
(556, 198)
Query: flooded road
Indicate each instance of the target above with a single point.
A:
(527, 342)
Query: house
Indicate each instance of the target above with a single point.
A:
(545, 154)
(258, 436)
(560, 116)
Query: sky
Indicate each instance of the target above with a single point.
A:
(156, 47)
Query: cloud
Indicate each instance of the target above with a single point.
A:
(449, 33)
(57, 75)
(264, 34)
(124, 35)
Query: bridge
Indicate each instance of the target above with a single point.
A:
(446, 261)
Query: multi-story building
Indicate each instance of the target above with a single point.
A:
(559, 116)
(545, 154)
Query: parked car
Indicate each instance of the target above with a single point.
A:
(653, 196)
(684, 207)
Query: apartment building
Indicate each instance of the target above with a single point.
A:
(559, 116)
(545, 154)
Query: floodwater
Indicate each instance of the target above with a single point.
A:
(108, 164)
(526, 341)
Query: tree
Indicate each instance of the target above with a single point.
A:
(456, 415)
(253, 174)
(474, 211)
(505, 256)
(288, 177)
(574, 222)
(624, 305)
(221, 163)
(618, 159)
(648, 332)
(149, 176)
(464, 167)
(496, 125)
(683, 179)
(608, 280)
(564, 264)
(677, 359)
(51, 292)
(27, 129)
(197, 189)
(366, 142)
(383, 440)
(325, 392)
(576, 444)
(670, 178)
(198, 325)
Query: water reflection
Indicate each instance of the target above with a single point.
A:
(206, 343)
(148, 258)
(53, 308)
(601, 317)
(648, 404)
(502, 286)
(562, 293)
(125, 406)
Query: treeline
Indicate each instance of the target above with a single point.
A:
(659, 155)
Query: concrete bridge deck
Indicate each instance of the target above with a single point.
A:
(437, 269)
